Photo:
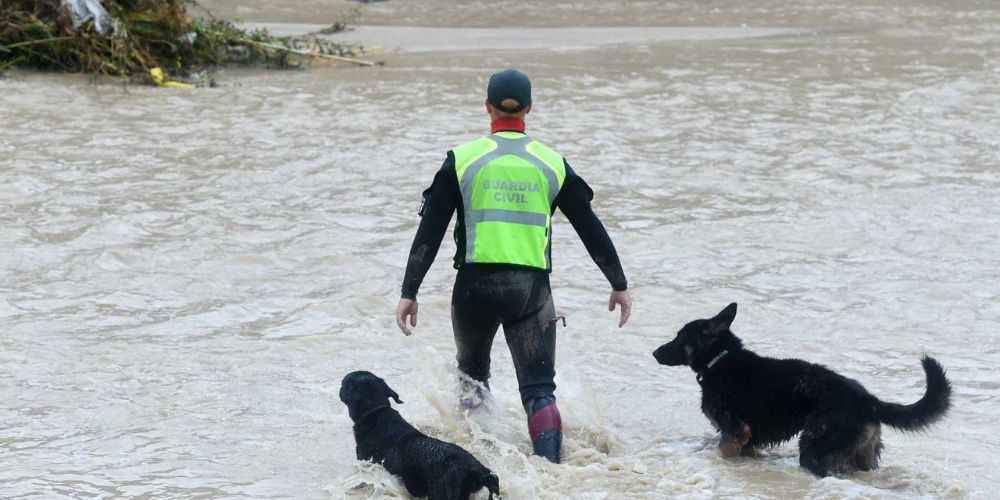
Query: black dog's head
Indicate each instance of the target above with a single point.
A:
(699, 341)
(364, 391)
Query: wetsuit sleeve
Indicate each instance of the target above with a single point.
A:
(436, 210)
(574, 201)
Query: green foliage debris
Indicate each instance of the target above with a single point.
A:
(147, 34)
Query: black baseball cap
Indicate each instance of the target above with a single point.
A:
(509, 84)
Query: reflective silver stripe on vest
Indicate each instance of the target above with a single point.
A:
(496, 215)
(516, 147)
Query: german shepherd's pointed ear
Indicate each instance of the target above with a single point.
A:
(722, 321)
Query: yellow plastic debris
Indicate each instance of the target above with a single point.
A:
(160, 79)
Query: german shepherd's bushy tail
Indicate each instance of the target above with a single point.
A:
(928, 409)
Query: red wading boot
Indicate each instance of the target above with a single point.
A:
(545, 428)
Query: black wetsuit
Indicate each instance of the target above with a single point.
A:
(488, 295)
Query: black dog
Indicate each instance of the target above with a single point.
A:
(757, 402)
(429, 467)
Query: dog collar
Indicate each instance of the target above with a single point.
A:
(716, 359)
(370, 412)
(701, 374)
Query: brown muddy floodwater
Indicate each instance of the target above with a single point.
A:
(185, 276)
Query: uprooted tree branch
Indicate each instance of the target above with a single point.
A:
(129, 38)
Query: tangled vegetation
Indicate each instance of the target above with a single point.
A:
(148, 34)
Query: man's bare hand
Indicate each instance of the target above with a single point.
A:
(623, 299)
(407, 308)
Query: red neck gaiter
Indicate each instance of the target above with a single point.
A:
(507, 124)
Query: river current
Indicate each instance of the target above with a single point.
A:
(185, 276)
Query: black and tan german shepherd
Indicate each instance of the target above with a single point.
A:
(757, 402)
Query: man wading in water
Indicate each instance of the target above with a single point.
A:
(506, 187)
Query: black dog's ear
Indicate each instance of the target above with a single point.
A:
(394, 396)
(391, 393)
(722, 321)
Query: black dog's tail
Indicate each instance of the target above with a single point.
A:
(928, 409)
(492, 483)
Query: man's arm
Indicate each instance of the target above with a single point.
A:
(438, 206)
(574, 201)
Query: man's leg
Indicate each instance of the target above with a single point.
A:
(532, 342)
(474, 329)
